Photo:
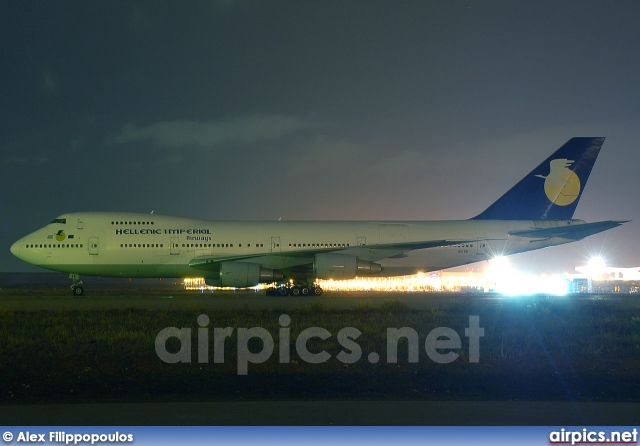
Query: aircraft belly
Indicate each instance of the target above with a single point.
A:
(128, 270)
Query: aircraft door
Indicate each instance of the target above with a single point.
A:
(93, 246)
(275, 244)
(481, 244)
(174, 246)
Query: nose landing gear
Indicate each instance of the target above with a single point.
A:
(76, 288)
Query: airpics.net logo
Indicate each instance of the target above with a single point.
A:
(589, 436)
(441, 344)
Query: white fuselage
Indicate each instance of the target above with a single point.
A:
(147, 245)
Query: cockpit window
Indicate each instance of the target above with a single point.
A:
(60, 220)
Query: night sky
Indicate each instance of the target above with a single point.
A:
(327, 110)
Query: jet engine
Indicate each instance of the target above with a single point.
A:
(342, 267)
(244, 274)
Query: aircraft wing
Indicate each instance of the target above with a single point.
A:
(213, 262)
(573, 232)
(411, 246)
(301, 257)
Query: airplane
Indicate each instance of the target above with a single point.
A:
(535, 213)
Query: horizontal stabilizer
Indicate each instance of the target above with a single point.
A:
(571, 232)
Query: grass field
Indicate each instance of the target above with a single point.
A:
(532, 349)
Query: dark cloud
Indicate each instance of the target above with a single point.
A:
(214, 133)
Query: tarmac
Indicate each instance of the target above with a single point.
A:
(47, 291)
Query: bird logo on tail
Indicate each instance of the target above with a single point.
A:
(562, 185)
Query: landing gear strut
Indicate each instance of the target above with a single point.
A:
(76, 288)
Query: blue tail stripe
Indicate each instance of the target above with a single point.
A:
(552, 190)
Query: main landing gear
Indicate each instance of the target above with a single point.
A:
(294, 290)
(76, 288)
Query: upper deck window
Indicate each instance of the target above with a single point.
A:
(60, 220)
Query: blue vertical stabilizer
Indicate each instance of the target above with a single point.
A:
(552, 190)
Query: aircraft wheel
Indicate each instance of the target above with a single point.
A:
(78, 291)
(317, 291)
(282, 291)
(295, 291)
(304, 290)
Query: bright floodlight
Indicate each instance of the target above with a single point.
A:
(596, 266)
(508, 280)
(596, 263)
(500, 273)
(499, 264)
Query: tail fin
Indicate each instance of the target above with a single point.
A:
(552, 190)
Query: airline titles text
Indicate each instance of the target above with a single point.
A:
(162, 231)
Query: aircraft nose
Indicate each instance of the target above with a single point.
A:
(15, 249)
